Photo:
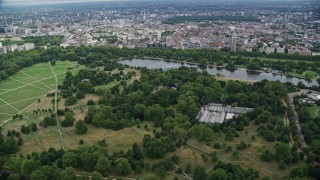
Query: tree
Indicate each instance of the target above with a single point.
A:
(218, 174)
(315, 145)
(161, 172)
(266, 156)
(155, 149)
(136, 152)
(70, 101)
(283, 154)
(14, 177)
(156, 114)
(81, 127)
(10, 146)
(69, 159)
(34, 126)
(103, 165)
(96, 176)
(86, 87)
(188, 169)
(30, 165)
(15, 163)
(199, 173)
(37, 175)
(80, 95)
(68, 173)
(68, 119)
(202, 132)
(123, 166)
(51, 171)
(49, 121)
(88, 160)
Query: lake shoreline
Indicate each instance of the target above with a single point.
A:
(246, 75)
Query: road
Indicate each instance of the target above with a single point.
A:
(296, 118)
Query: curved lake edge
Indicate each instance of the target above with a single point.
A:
(215, 66)
(149, 62)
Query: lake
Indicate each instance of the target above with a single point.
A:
(239, 74)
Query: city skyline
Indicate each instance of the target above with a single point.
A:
(73, 1)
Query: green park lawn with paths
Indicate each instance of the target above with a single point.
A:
(30, 84)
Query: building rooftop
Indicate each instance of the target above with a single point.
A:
(218, 113)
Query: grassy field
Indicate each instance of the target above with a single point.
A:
(311, 74)
(25, 88)
(39, 81)
(249, 157)
(314, 111)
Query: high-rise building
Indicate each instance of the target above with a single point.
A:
(234, 43)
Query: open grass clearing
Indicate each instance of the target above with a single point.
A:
(29, 145)
(122, 140)
(310, 74)
(314, 111)
(50, 138)
(93, 135)
(191, 156)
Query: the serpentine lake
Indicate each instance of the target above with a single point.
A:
(239, 74)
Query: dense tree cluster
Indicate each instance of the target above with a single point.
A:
(96, 56)
(9, 145)
(171, 101)
(58, 164)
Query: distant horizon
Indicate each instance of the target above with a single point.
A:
(48, 2)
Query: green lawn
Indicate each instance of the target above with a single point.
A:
(307, 74)
(311, 74)
(313, 111)
(108, 86)
(30, 84)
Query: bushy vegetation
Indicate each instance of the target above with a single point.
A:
(171, 101)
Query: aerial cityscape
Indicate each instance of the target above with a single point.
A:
(150, 89)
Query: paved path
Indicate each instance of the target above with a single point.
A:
(10, 119)
(296, 118)
(56, 106)
(36, 79)
(287, 123)
(28, 84)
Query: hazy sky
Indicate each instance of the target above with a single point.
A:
(25, 2)
(17, 2)
(50, 1)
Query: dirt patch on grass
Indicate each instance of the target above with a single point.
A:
(45, 103)
(29, 145)
(122, 139)
(263, 171)
(93, 135)
(80, 114)
(192, 157)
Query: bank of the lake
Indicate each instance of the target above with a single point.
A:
(239, 74)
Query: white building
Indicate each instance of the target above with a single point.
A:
(3, 50)
(28, 46)
(28, 32)
(315, 53)
(12, 48)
